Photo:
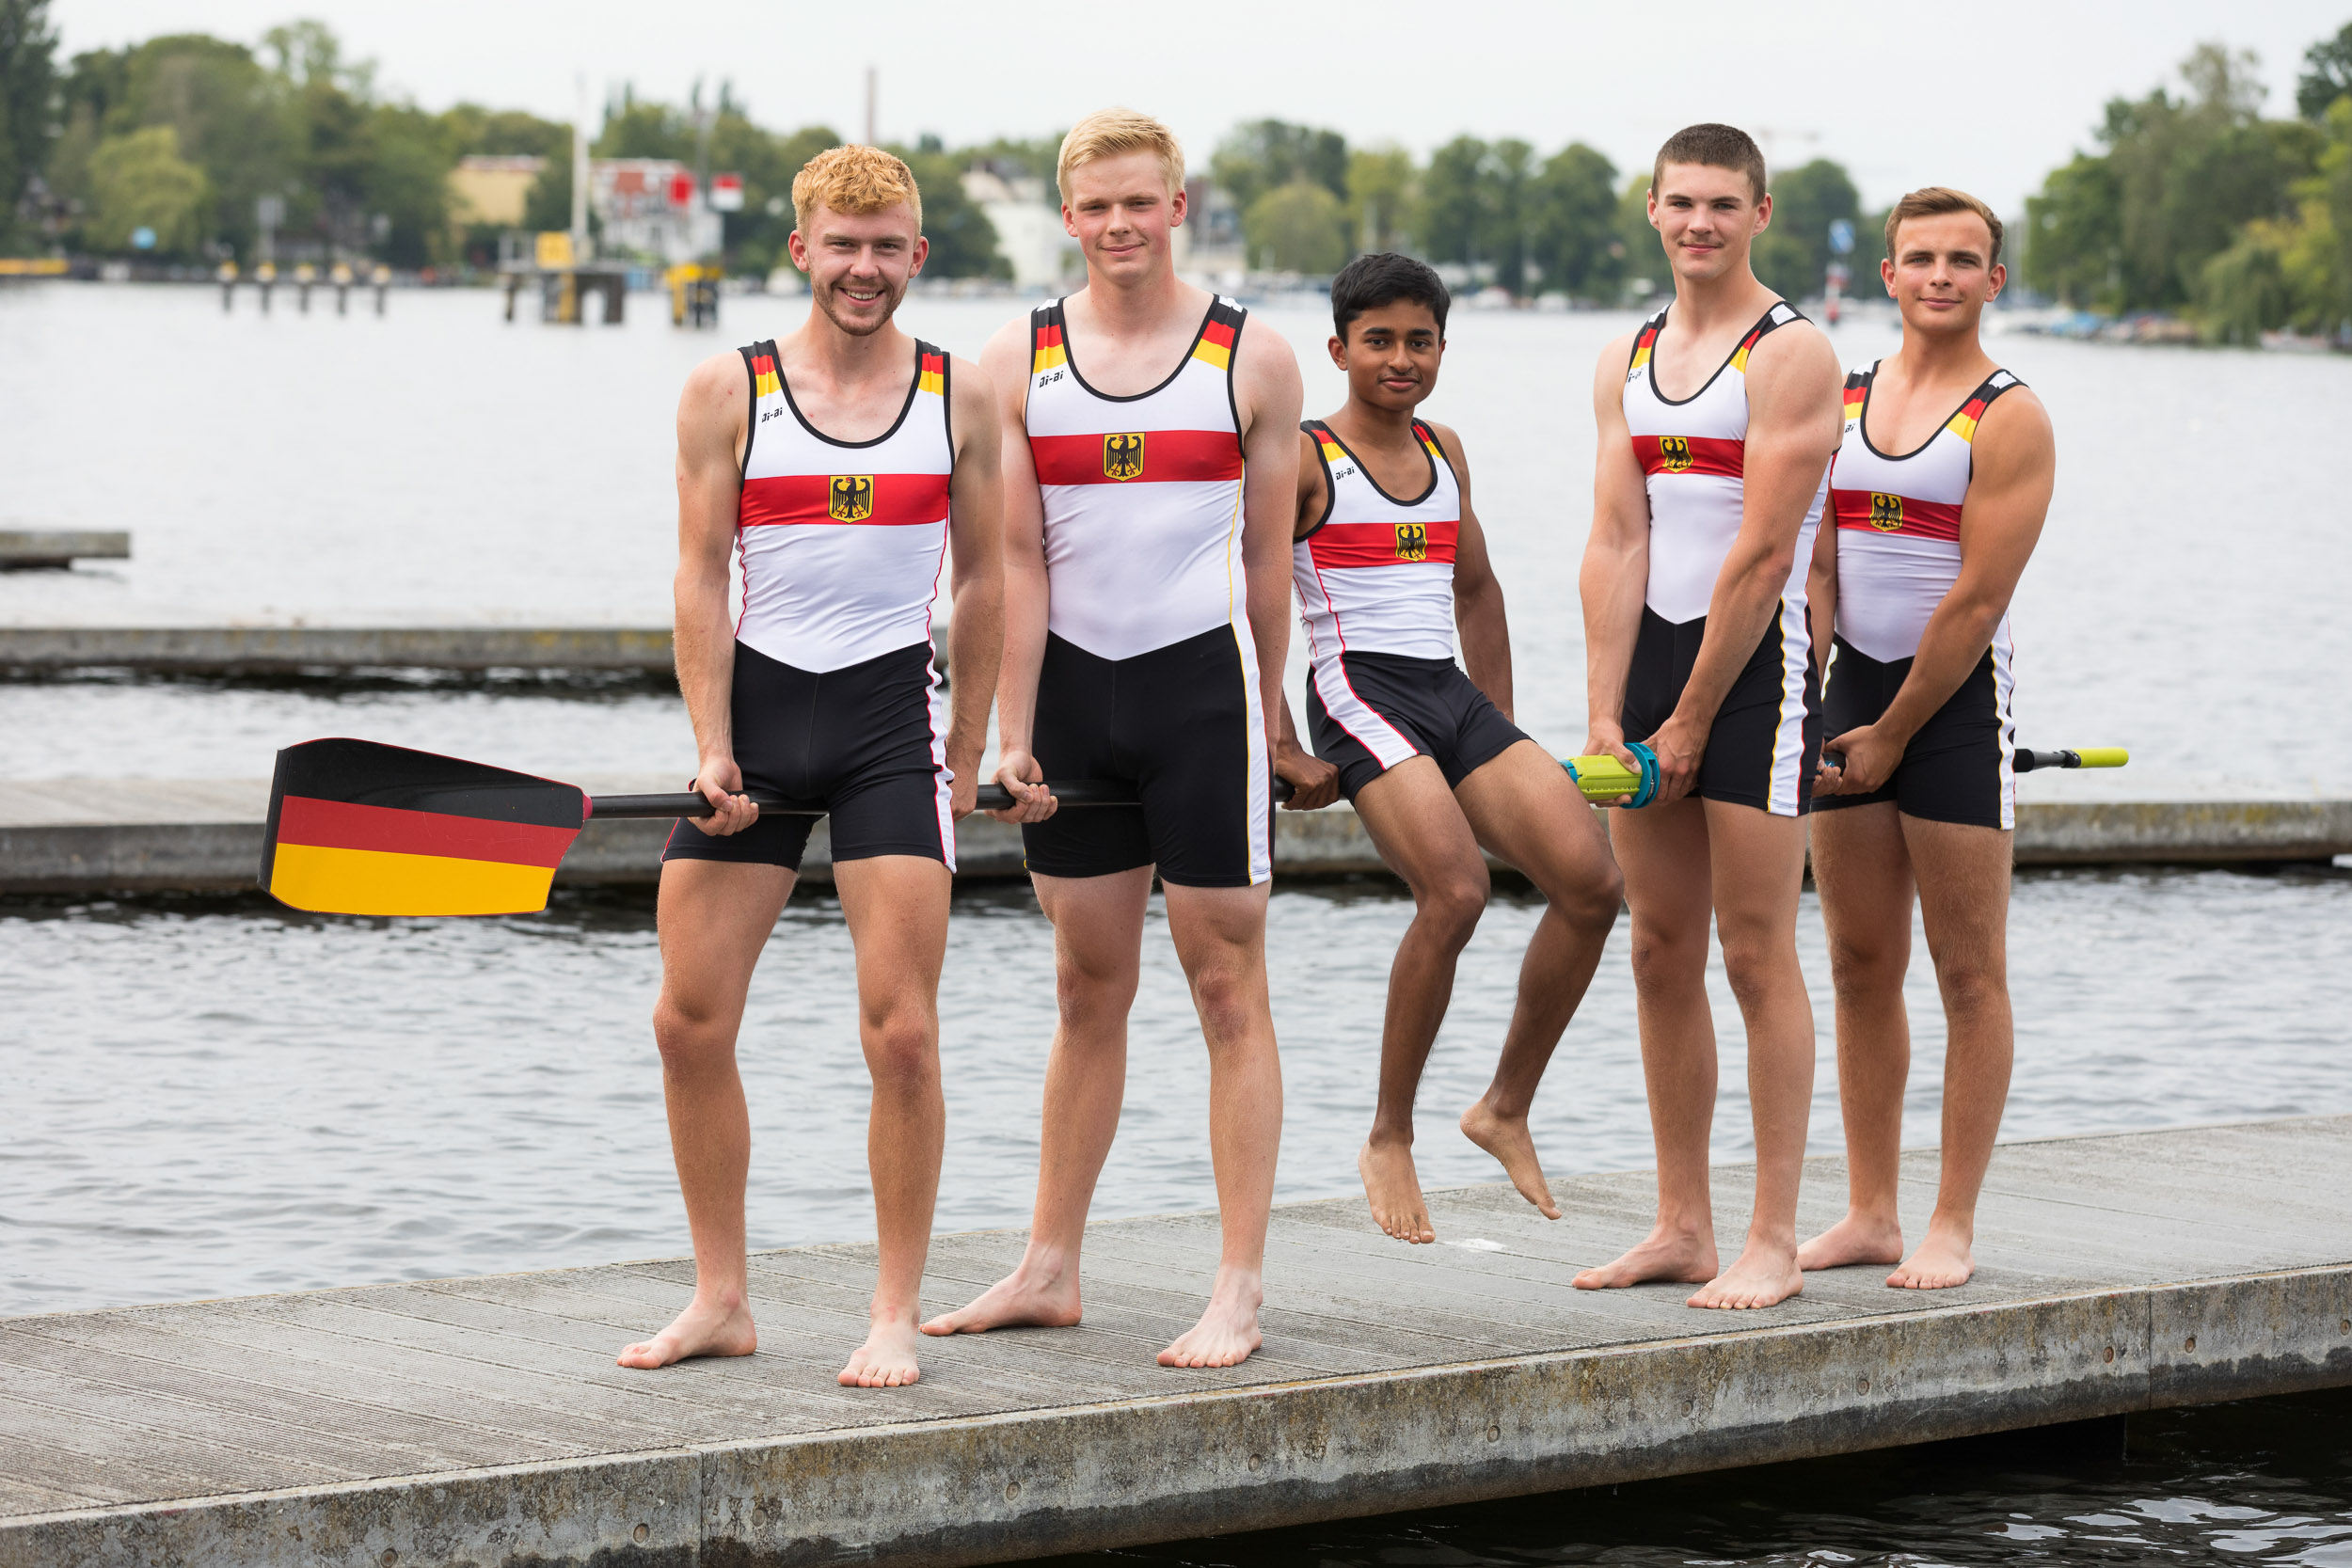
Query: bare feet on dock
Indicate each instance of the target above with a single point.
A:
(886, 1360)
(1514, 1147)
(705, 1328)
(1677, 1256)
(1761, 1276)
(1858, 1237)
(1227, 1331)
(1943, 1260)
(1392, 1187)
(1041, 1293)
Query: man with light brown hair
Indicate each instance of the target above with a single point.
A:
(1718, 417)
(1909, 591)
(838, 462)
(1151, 452)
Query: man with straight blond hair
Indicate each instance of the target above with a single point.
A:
(839, 460)
(1937, 498)
(1151, 452)
(1718, 417)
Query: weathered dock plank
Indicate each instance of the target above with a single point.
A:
(132, 835)
(53, 548)
(481, 1420)
(287, 650)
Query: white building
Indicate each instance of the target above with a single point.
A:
(1028, 220)
(652, 207)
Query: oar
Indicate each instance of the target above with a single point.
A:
(2089, 756)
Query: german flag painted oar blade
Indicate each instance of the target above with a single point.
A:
(359, 828)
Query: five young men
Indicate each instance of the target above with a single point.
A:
(1113, 489)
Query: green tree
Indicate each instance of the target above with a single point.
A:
(28, 51)
(471, 128)
(1266, 153)
(1573, 223)
(1792, 255)
(1646, 269)
(1455, 203)
(963, 241)
(2243, 291)
(547, 206)
(228, 111)
(1300, 226)
(1381, 194)
(138, 180)
(2326, 75)
(2073, 242)
(1509, 177)
(405, 183)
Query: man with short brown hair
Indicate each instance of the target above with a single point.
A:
(1911, 589)
(1718, 417)
(838, 462)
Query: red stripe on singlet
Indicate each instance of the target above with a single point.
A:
(1693, 454)
(1918, 519)
(1169, 457)
(1343, 545)
(899, 500)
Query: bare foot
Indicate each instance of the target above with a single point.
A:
(1859, 1238)
(1683, 1257)
(886, 1360)
(720, 1327)
(1227, 1331)
(1393, 1189)
(1507, 1139)
(1763, 1275)
(1943, 1260)
(1041, 1293)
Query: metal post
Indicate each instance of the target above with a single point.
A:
(870, 106)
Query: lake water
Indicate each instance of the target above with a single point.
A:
(214, 1096)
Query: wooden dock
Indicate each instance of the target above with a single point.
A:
(90, 836)
(482, 1420)
(289, 650)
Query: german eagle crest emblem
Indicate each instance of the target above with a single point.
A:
(1122, 455)
(1887, 512)
(1412, 542)
(851, 497)
(1674, 452)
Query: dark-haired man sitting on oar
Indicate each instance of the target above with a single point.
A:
(1389, 557)
(839, 460)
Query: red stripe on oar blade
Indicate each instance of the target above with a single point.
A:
(341, 825)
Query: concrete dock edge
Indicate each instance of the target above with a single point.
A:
(947, 1492)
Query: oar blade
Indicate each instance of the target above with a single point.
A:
(361, 828)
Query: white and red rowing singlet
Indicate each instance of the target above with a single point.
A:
(842, 541)
(1899, 527)
(1376, 573)
(1142, 495)
(1693, 457)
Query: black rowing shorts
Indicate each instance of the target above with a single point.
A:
(1185, 726)
(1957, 767)
(867, 742)
(1766, 734)
(1366, 712)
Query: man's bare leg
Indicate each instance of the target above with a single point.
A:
(1663, 851)
(897, 907)
(1964, 905)
(1098, 949)
(1864, 875)
(1423, 835)
(1758, 868)
(1220, 940)
(714, 919)
(1525, 807)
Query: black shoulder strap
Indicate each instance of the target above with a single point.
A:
(1321, 435)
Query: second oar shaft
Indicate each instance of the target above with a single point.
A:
(1074, 792)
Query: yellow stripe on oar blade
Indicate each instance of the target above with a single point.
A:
(374, 881)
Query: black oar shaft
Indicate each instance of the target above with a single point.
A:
(1074, 792)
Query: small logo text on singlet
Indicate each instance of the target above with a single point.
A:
(1412, 542)
(1122, 455)
(851, 498)
(1887, 512)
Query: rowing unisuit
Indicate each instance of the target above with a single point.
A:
(1693, 457)
(1898, 520)
(1151, 674)
(835, 698)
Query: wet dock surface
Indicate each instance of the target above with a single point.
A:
(482, 1420)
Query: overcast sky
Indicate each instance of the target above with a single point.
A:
(1986, 97)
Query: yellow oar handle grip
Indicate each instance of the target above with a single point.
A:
(2089, 756)
(1605, 780)
(2103, 756)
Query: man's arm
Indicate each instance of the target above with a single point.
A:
(710, 427)
(1006, 364)
(1270, 396)
(1314, 782)
(1795, 419)
(976, 636)
(2000, 522)
(1477, 596)
(1821, 593)
(1615, 578)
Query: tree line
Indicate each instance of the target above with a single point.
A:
(2196, 203)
